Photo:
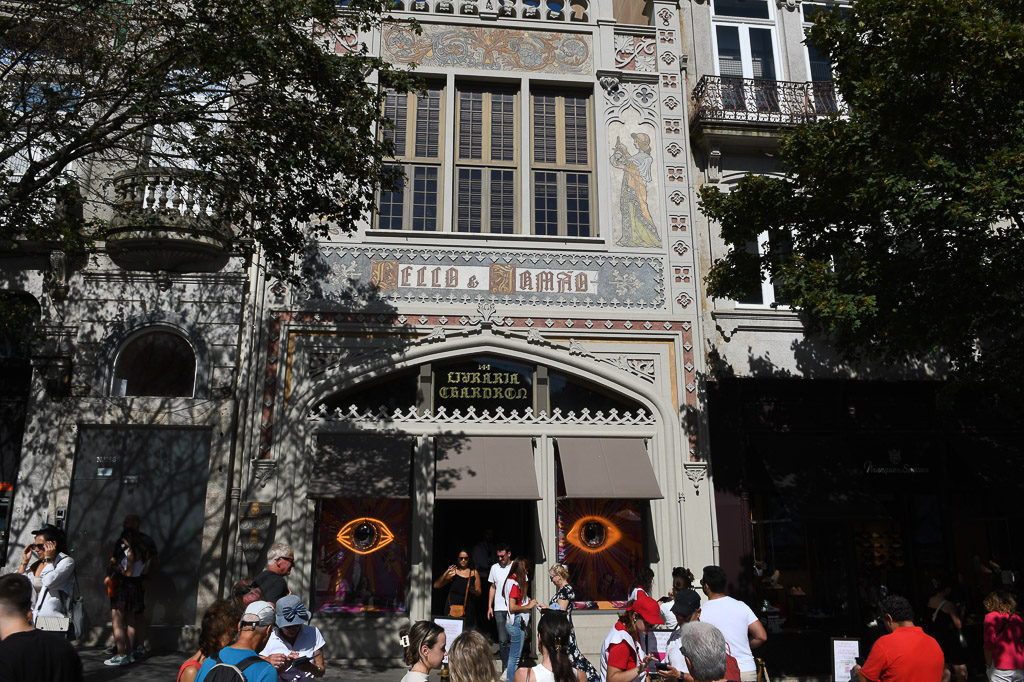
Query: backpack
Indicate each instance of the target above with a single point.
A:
(225, 672)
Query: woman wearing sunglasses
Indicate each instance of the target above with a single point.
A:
(462, 581)
(52, 573)
(623, 657)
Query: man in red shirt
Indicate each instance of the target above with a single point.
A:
(906, 654)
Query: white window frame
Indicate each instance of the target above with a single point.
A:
(768, 298)
(806, 25)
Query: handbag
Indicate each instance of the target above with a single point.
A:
(459, 610)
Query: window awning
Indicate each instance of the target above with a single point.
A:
(612, 468)
(349, 465)
(490, 468)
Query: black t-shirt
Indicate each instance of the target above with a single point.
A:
(273, 586)
(38, 656)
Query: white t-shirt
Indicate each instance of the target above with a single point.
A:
(307, 643)
(666, 613)
(637, 591)
(415, 677)
(497, 578)
(733, 618)
(674, 652)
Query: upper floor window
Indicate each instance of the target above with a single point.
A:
(155, 363)
(562, 171)
(486, 160)
(745, 9)
(418, 136)
(762, 291)
(819, 66)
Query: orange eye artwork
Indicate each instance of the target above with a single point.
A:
(593, 534)
(365, 535)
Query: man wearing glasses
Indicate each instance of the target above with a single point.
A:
(280, 559)
(496, 606)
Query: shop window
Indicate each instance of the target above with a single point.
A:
(398, 391)
(155, 363)
(601, 542)
(484, 382)
(363, 556)
(569, 394)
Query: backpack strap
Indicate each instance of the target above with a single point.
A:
(246, 662)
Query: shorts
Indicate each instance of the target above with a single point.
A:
(129, 596)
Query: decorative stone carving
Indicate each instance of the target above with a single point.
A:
(58, 275)
(640, 97)
(790, 5)
(472, 416)
(696, 472)
(609, 80)
(636, 53)
(714, 164)
(262, 470)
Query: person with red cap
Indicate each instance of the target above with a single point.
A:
(623, 658)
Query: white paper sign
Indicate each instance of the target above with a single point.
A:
(452, 629)
(844, 657)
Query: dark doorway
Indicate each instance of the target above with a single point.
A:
(160, 475)
(464, 524)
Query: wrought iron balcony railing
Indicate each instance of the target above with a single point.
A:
(163, 221)
(760, 100)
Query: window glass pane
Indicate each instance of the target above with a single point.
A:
(570, 394)
(545, 131)
(470, 193)
(397, 391)
(424, 198)
(780, 243)
(503, 126)
(601, 542)
(471, 124)
(395, 108)
(748, 9)
(576, 130)
(428, 116)
(752, 275)
(390, 208)
(502, 196)
(730, 62)
(545, 203)
(821, 67)
(577, 204)
(762, 57)
(364, 557)
(156, 363)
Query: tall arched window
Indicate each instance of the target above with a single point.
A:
(155, 363)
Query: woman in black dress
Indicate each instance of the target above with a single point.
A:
(565, 600)
(944, 624)
(462, 580)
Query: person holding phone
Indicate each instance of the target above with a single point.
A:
(295, 648)
(623, 657)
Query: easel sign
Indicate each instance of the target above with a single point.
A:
(844, 656)
(452, 629)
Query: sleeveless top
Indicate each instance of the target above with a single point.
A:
(542, 674)
(187, 664)
(457, 590)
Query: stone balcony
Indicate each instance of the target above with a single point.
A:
(163, 221)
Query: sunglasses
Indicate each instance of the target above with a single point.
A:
(463, 558)
(290, 560)
(38, 546)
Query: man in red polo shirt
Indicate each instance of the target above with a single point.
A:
(906, 654)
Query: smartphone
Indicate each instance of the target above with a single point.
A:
(300, 660)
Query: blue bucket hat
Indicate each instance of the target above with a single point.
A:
(291, 611)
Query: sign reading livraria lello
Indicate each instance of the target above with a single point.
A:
(463, 276)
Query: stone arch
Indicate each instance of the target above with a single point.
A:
(122, 335)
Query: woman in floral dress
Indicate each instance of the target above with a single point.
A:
(565, 600)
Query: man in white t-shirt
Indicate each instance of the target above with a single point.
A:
(685, 609)
(741, 628)
(496, 605)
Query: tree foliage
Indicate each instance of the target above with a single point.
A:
(906, 214)
(267, 104)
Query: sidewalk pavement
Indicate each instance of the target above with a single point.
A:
(163, 665)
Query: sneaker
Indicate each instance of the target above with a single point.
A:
(110, 650)
(139, 652)
(504, 676)
(119, 660)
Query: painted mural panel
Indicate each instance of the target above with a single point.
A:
(499, 49)
(636, 191)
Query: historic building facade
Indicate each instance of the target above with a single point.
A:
(510, 349)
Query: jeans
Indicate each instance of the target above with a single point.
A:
(516, 636)
(500, 620)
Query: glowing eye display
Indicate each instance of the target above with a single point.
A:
(365, 535)
(593, 534)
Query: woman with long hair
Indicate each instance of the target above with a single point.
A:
(553, 633)
(52, 573)
(565, 600)
(462, 581)
(1004, 639)
(128, 601)
(220, 625)
(623, 657)
(516, 593)
(946, 627)
(642, 584)
(470, 659)
(424, 646)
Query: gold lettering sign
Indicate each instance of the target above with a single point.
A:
(384, 274)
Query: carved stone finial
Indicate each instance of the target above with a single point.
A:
(486, 308)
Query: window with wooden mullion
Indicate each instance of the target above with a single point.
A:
(486, 160)
(562, 172)
(417, 137)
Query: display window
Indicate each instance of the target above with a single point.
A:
(363, 558)
(601, 543)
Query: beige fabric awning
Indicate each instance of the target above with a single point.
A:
(613, 468)
(348, 465)
(486, 468)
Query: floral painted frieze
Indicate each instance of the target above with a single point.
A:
(499, 49)
(390, 275)
(635, 53)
